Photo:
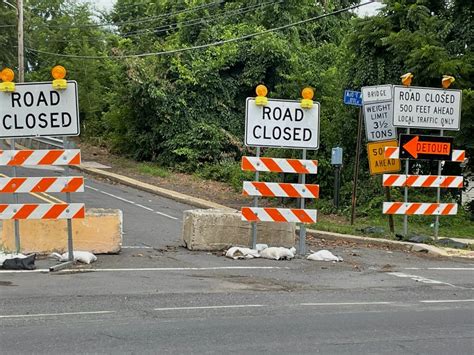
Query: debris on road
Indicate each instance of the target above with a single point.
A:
(84, 257)
(242, 253)
(17, 261)
(278, 253)
(324, 255)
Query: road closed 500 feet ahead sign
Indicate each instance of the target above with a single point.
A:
(282, 123)
(36, 109)
(429, 108)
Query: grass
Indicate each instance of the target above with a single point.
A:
(459, 226)
(153, 170)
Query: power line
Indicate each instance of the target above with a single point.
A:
(139, 20)
(191, 22)
(217, 43)
(173, 26)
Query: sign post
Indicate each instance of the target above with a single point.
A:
(354, 98)
(378, 114)
(283, 124)
(425, 108)
(33, 110)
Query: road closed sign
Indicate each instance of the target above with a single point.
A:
(378, 164)
(36, 109)
(428, 108)
(281, 123)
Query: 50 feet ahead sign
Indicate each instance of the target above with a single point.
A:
(36, 109)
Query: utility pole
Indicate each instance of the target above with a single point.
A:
(21, 48)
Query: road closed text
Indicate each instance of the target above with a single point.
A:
(37, 119)
(38, 110)
(282, 124)
(297, 134)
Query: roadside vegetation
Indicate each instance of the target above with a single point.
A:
(184, 111)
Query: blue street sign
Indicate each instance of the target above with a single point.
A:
(352, 98)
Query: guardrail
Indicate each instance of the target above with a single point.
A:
(41, 142)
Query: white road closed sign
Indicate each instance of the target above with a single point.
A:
(378, 122)
(429, 108)
(281, 123)
(36, 109)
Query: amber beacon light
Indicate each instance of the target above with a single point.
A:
(59, 73)
(261, 99)
(307, 100)
(7, 85)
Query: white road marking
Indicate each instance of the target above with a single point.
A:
(344, 303)
(178, 269)
(420, 279)
(447, 301)
(209, 307)
(54, 314)
(442, 268)
(131, 202)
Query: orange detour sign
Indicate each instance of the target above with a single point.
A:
(378, 164)
(426, 147)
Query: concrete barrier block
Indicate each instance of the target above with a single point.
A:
(100, 233)
(220, 229)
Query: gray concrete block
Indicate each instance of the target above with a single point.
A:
(220, 229)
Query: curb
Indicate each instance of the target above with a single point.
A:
(430, 249)
(176, 196)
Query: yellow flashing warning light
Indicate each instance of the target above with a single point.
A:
(7, 85)
(406, 79)
(59, 73)
(447, 81)
(307, 100)
(261, 99)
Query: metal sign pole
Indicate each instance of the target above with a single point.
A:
(356, 166)
(70, 246)
(302, 233)
(255, 204)
(438, 197)
(405, 217)
(16, 222)
(390, 216)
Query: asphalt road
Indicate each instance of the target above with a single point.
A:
(156, 297)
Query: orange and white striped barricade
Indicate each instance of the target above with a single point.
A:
(398, 180)
(42, 211)
(459, 156)
(262, 214)
(64, 184)
(418, 208)
(40, 157)
(279, 165)
(61, 184)
(275, 189)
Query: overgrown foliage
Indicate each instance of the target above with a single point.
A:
(185, 110)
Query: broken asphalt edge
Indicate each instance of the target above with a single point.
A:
(201, 203)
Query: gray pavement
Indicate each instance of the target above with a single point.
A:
(157, 297)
